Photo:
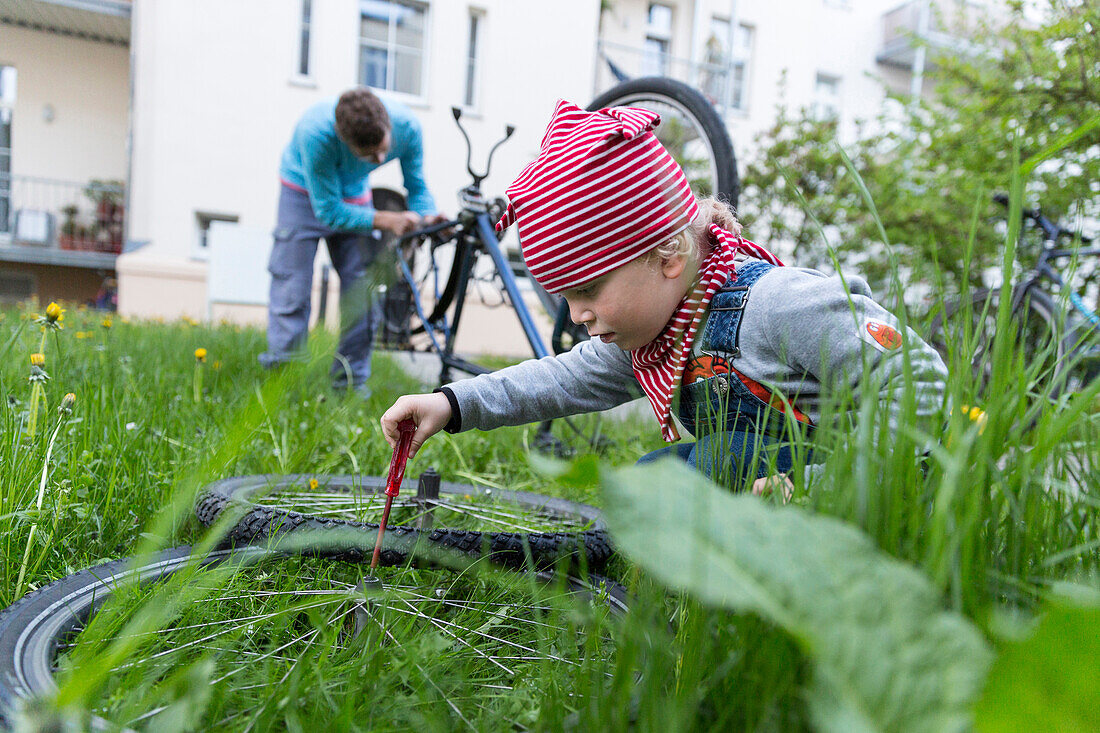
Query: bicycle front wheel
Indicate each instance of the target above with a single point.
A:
(691, 130)
(511, 528)
(251, 625)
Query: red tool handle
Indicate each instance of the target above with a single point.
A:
(400, 457)
(393, 480)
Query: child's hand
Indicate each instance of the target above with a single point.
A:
(765, 485)
(430, 412)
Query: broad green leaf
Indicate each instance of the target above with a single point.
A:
(886, 655)
(1050, 681)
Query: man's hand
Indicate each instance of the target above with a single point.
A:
(766, 485)
(398, 222)
(430, 412)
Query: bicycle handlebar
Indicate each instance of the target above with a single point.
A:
(1051, 230)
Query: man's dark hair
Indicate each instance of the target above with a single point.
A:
(361, 118)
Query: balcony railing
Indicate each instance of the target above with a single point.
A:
(949, 26)
(43, 214)
(722, 84)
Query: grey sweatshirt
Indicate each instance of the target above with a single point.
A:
(801, 334)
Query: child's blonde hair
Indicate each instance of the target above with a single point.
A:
(692, 242)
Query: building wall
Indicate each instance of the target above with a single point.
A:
(793, 40)
(87, 86)
(216, 99)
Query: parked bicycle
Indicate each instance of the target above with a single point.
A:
(440, 266)
(1056, 329)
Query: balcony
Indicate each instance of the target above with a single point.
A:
(107, 21)
(51, 222)
(723, 84)
(949, 26)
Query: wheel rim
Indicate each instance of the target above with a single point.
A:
(455, 506)
(251, 626)
(683, 137)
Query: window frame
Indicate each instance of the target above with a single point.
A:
(203, 220)
(391, 48)
(475, 44)
(661, 36)
(820, 102)
(304, 36)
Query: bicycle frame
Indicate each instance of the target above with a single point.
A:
(479, 235)
(474, 235)
(1044, 270)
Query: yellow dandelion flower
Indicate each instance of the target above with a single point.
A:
(217, 365)
(200, 354)
(313, 484)
(67, 403)
(54, 312)
(106, 323)
(38, 360)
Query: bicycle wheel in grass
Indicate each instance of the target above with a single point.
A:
(511, 528)
(250, 625)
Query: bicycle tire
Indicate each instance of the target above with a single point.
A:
(348, 539)
(676, 99)
(35, 629)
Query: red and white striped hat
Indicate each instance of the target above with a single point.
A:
(602, 191)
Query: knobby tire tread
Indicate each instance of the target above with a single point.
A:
(353, 541)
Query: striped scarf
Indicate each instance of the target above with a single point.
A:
(659, 365)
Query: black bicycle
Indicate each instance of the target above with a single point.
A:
(1054, 326)
(440, 265)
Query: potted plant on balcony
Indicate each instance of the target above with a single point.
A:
(107, 229)
(67, 238)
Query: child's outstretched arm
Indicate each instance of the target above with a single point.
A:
(430, 412)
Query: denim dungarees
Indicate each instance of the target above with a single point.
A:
(740, 436)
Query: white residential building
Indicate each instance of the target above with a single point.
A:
(189, 103)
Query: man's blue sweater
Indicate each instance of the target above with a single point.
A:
(318, 162)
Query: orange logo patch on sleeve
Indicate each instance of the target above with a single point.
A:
(884, 334)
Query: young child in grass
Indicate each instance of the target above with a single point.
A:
(680, 307)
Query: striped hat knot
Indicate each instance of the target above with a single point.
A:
(602, 191)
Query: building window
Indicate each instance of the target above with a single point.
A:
(303, 38)
(204, 221)
(724, 75)
(827, 97)
(472, 49)
(658, 40)
(7, 102)
(391, 45)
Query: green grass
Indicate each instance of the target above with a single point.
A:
(1001, 516)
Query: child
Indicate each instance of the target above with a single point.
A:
(677, 304)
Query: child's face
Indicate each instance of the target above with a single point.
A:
(630, 305)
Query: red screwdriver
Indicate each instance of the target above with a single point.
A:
(393, 480)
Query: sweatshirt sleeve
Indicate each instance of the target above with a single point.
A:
(592, 376)
(323, 186)
(841, 337)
